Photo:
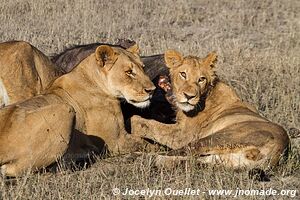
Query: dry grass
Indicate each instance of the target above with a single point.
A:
(258, 46)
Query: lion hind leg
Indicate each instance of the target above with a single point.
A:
(249, 158)
(244, 158)
(35, 138)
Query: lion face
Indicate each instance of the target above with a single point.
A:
(190, 77)
(124, 74)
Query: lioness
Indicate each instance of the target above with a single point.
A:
(212, 121)
(24, 72)
(154, 66)
(35, 132)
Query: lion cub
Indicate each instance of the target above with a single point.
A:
(212, 121)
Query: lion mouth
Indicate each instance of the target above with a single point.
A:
(135, 101)
(185, 106)
(186, 103)
(140, 104)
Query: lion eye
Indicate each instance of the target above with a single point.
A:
(201, 79)
(130, 73)
(183, 75)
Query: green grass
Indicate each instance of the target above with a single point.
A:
(258, 46)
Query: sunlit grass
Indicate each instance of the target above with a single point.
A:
(258, 47)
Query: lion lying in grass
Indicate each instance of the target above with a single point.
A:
(34, 133)
(212, 122)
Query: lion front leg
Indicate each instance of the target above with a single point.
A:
(165, 134)
(113, 134)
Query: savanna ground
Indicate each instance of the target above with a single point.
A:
(258, 46)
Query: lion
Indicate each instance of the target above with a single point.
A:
(154, 67)
(24, 72)
(36, 132)
(212, 122)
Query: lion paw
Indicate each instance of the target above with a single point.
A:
(138, 126)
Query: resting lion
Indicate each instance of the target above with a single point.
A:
(24, 72)
(154, 66)
(35, 132)
(212, 121)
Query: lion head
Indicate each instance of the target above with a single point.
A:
(191, 78)
(124, 74)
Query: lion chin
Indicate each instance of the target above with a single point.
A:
(140, 104)
(186, 107)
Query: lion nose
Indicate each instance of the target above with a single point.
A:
(188, 97)
(150, 91)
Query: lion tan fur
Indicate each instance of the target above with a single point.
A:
(24, 72)
(212, 121)
(34, 133)
(94, 88)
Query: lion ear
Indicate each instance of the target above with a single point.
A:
(173, 58)
(134, 49)
(211, 59)
(104, 54)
